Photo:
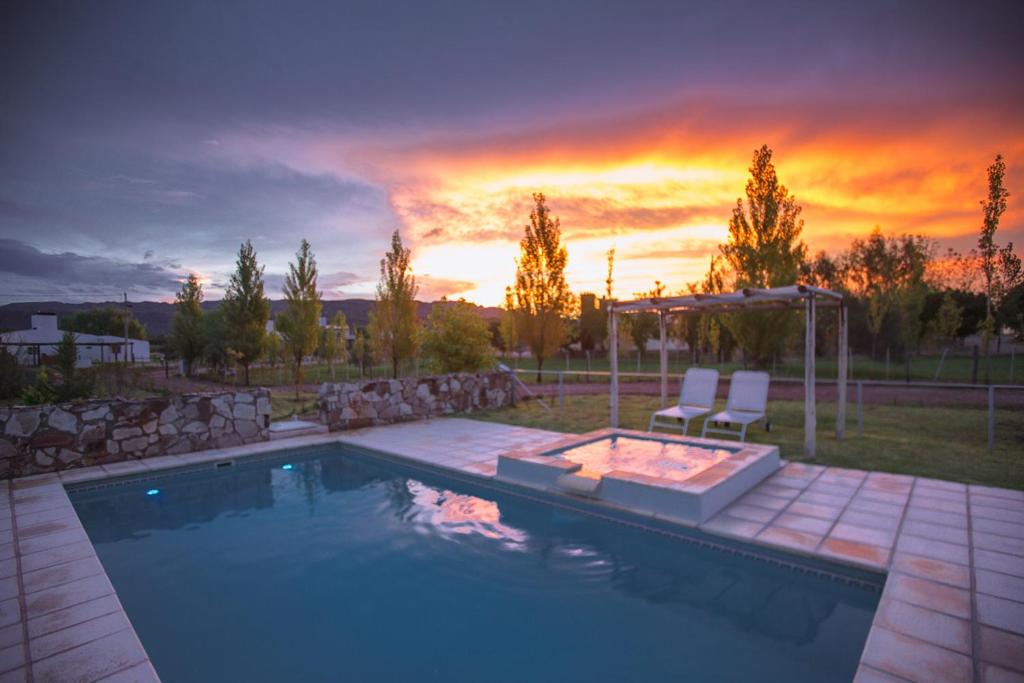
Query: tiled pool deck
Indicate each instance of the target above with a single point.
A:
(952, 608)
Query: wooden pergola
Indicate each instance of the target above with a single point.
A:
(793, 297)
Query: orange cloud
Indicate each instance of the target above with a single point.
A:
(660, 185)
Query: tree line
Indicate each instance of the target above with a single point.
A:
(453, 339)
(899, 290)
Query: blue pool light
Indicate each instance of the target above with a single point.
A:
(152, 492)
(286, 467)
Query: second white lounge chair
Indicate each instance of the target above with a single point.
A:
(747, 403)
(696, 398)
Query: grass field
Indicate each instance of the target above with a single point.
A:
(954, 368)
(944, 443)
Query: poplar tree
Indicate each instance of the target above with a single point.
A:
(764, 250)
(1000, 266)
(334, 342)
(187, 334)
(299, 324)
(393, 328)
(246, 309)
(541, 298)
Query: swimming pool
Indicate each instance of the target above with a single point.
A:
(332, 565)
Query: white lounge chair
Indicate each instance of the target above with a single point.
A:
(696, 398)
(747, 403)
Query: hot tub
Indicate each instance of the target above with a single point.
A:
(685, 479)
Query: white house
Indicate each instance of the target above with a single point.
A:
(31, 345)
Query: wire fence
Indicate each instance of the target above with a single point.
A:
(857, 385)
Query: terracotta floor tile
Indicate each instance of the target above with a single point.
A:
(1001, 647)
(788, 538)
(925, 593)
(913, 659)
(854, 551)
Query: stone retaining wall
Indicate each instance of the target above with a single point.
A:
(350, 405)
(50, 438)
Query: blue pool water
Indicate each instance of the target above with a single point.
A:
(343, 567)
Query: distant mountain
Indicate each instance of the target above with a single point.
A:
(156, 316)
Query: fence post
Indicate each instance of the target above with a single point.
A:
(860, 409)
(974, 366)
(587, 380)
(561, 391)
(991, 416)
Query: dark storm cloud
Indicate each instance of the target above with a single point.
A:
(23, 265)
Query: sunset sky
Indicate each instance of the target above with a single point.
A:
(142, 141)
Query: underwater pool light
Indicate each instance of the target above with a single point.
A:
(152, 492)
(287, 467)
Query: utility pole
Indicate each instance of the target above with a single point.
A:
(127, 312)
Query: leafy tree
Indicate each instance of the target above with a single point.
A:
(361, 350)
(187, 334)
(12, 375)
(541, 298)
(217, 352)
(104, 321)
(334, 342)
(824, 271)
(764, 250)
(992, 208)
(509, 333)
(708, 331)
(393, 325)
(889, 275)
(272, 348)
(494, 328)
(246, 309)
(911, 303)
(643, 326)
(299, 324)
(948, 319)
(593, 324)
(1013, 310)
(456, 338)
(64, 382)
(609, 281)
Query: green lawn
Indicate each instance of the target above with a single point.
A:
(954, 368)
(943, 443)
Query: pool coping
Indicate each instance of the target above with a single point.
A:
(947, 611)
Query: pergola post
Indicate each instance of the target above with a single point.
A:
(663, 331)
(844, 359)
(613, 362)
(810, 412)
